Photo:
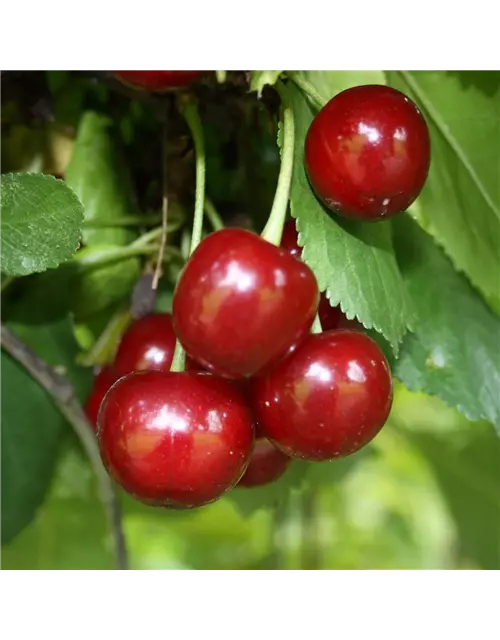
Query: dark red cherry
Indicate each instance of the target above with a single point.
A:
(290, 239)
(175, 439)
(328, 399)
(242, 303)
(367, 152)
(267, 464)
(102, 382)
(158, 80)
(330, 317)
(147, 344)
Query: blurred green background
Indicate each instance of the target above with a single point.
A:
(423, 495)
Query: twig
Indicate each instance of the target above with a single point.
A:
(164, 212)
(63, 395)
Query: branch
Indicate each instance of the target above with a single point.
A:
(63, 395)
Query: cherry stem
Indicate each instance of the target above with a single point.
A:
(274, 227)
(125, 221)
(189, 110)
(63, 396)
(316, 325)
(105, 346)
(116, 254)
(164, 211)
(191, 114)
(213, 215)
(306, 87)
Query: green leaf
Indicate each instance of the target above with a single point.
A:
(260, 79)
(31, 425)
(97, 287)
(353, 262)
(455, 351)
(68, 94)
(97, 174)
(78, 286)
(460, 205)
(467, 470)
(329, 83)
(41, 223)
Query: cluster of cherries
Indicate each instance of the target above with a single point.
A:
(259, 388)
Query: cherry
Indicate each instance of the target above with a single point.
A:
(157, 80)
(242, 303)
(147, 344)
(102, 382)
(290, 239)
(330, 317)
(175, 439)
(367, 152)
(267, 464)
(328, 399)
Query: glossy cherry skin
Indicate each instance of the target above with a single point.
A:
(102, 382)
(330, 317)
(147, 344)
(328, 399)
(367, 152)
(175, 439)
(158, 80)
(241, 303)
(267, 464)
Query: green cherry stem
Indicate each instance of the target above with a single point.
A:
(307, 88)
(189, 110)
(316, 325)
(213, 215)
(125, 221)
(274, 227)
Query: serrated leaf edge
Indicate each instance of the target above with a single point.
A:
(54, 263)
(395, 345)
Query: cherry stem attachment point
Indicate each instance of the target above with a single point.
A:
(274, 227)
(189, 110)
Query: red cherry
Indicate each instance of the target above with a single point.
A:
(175, 439)
(102, 382)
(367, 152)
(192, 365)
(330, 317)
(267, 464)
(242, 303)
(290, 239)
(158, 80)
(147, 344)
(328, 399)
